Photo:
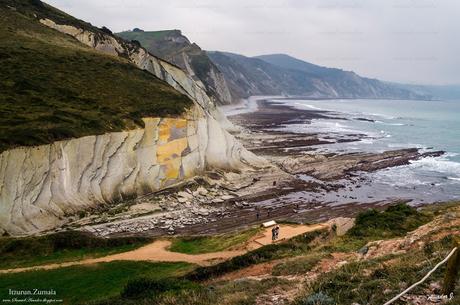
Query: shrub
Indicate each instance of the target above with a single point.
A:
(394, 221)
(295, 245)
(318, 299)
(106, 30)
(136, 42)
(16, 249)
(147, 287)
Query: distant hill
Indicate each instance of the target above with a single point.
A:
(441, 92)
(289, 62)
(283, 74)
(248, 76)
(228, 77)
(172, 46)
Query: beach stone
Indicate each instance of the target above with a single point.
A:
(182, 199)
(363, 250)
(184, 195)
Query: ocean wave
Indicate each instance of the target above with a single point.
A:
(308, 106)
(330, 126)
(451, 154)
(367, 141)
(390, 124)
(401, 176)
(406, 145)
(438, 164)
(385, 116)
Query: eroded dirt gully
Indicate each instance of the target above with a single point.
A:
(297, 185)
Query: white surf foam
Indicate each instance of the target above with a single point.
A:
(390, 124)
(385, 116)
(438, 164)
(308, 106)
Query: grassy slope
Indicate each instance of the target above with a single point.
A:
(351, 283)
(81, 284)
(363, 282)
(54, 88)
(61, 247)
(207, 244)
(151, 39)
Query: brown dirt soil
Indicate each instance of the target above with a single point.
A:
(440, 227)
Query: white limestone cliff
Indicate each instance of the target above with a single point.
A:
(40, 185)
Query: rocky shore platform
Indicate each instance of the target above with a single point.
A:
(301, 184)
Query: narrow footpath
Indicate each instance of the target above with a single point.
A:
(158, 251)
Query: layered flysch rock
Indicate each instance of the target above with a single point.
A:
(40, 185)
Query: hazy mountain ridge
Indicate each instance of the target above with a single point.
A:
(442, 92)
(228, 77)
(283, 74)
(173, 47)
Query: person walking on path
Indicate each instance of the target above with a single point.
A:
(277, 231)
(273, 234)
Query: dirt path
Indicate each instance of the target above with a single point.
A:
(158, 251)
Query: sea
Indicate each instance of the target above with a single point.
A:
(389, 125)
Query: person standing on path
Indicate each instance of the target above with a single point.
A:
(273, 234)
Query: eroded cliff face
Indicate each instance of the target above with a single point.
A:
(109, 44)
(40, 185)
(172, 46)
(173, 75)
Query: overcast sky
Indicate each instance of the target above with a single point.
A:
(412, 41)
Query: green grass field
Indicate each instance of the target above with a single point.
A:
(207, 244)
(53, 88)
(61, 247)
(82, 284)
(147, 38)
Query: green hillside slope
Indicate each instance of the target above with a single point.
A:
(53, 88)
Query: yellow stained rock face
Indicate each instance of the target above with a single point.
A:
(167, 125)
(170, 148)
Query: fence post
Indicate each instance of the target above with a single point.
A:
(453, 267)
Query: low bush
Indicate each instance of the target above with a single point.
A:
(207, 244)
(63, 245)
(300, 265)
(317, 299)
(395, 221)
(292, 247)
(148, 287)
